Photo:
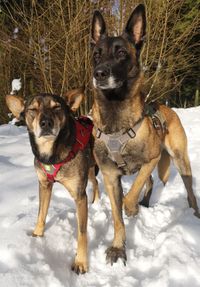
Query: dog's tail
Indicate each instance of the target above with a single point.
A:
(164, 167)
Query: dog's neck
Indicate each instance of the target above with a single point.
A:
(52, 151)
(114, 115)
(45, 146)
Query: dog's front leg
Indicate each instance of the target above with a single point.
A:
(130, 201)
(45, 189)
(80, 264)
(114, 190)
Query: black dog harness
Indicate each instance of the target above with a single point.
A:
(116, 142)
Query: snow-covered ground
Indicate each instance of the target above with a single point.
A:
(163, 241)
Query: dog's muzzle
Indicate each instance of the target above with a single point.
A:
(102, 73)
(46, 127)
(104, 80)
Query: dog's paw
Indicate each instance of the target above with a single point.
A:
(114, 253)
(197, 214)
(79, 267)
(130, 209)
(37, 235)
(38, 231)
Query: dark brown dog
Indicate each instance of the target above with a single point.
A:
(52, 131)
(126, 139)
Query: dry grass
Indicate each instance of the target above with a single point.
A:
(51, 51)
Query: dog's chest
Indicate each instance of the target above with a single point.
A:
(133, 155)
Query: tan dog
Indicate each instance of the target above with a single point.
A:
(127, 140)
(60, 155)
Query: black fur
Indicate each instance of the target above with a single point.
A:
(66, 136)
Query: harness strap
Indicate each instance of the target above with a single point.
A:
(116, 142)
(159, 122)
(50, 170)
(84, 128)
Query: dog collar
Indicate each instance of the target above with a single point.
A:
(83, 126)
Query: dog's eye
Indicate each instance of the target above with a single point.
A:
(32, 110)
(57, 108)
(97, 57)
(121, 53)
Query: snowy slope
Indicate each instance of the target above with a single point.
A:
(162, 242)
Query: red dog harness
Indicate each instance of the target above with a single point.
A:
(84, 128)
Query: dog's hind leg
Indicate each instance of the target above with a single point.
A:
(176, 145)
(163, 173)
(164, 166)
(45, 189)
(182, 163)
(148, 192)
(95, 187)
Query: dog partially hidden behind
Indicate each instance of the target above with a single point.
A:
(62, 146)
(128, 140)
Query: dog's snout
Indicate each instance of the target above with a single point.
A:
(102, 73)
(46, 122)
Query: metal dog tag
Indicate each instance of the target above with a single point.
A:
(49, 168)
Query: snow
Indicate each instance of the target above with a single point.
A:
(162, 241)
(16, 86)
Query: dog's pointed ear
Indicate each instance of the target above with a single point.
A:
(15, 105)
(74, 98)
(136, 27)
(98, 27)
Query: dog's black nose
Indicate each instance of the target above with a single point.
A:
(101, 73)
(46, 122)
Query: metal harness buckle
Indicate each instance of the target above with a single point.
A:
(99, 132)
(156, 123)
(131, 133)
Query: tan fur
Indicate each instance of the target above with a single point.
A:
(164, 167)
(73, 174)
(94, 182)
(116, 204)
(74, 98)
(174, 143)
(15, 105)
(118, 109)
(146, 150)
(53, 104)
(45, 145)
(138, 29)
(45, 190)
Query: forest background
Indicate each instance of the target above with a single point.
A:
(46, 43)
